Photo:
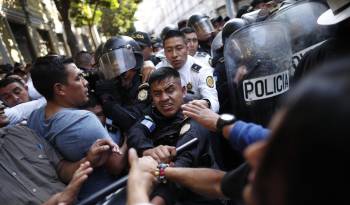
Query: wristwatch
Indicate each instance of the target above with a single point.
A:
(224, 119)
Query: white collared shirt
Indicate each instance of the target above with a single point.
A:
(200, 82)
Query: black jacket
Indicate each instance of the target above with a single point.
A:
(123, 106)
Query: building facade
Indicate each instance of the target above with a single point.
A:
(32, 28)
(153, 15)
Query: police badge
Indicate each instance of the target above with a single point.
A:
(143, 92)
(142, 95)
(189, 88)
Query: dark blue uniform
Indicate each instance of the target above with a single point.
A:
(124, 106)
(156, 130)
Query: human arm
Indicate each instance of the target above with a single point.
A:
(97, 155)
(161, 153)
(69, 194)
(22, 111)
(138, 135)
(204, 181)
(207, 89)
(147, 69)
(141, 179)
(240, 134)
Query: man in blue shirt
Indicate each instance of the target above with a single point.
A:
(69, 130)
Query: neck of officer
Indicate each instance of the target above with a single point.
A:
(160, 116)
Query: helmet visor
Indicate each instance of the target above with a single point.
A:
(203, 27)
(117, 61)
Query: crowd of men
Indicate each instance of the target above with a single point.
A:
(270, 86)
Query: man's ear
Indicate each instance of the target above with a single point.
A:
(59, 89)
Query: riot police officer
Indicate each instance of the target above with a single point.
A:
(165, 127)
(258, 66)
(122, 92)
(218, 63)
(228, 158)
(204, 29)
(192, 44)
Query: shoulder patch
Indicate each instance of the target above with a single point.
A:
(148, 123)
(210, 81)
(196, 67)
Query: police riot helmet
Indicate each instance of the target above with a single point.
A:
(258, 63)
(202, 25)
(300, 20)
(166, 29)
(232, 26)
(120, 54)
(98, 53)
(216, 49)
(219, 40)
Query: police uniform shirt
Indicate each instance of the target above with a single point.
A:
(203, 57)
(198, 80)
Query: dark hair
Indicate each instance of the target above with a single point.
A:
(83, 59)
(187, 30)
(257, 2)
(162, 73)
(309, 151)
(173, 34)
(47, 71)
(241, 11)
(181, 24)
(8, 80)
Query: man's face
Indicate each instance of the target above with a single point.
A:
(147, 53)
(14, 94)
(75, 91)
(175, 50)
(126, 78)
(168, 96)
(192, 43)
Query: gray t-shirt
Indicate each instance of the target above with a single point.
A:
(72, 132)
(28, 167)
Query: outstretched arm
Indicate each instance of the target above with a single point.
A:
(97, 155)
(69, 194)
(204, 181)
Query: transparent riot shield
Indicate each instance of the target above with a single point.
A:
(301, 21)
(258, 65)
